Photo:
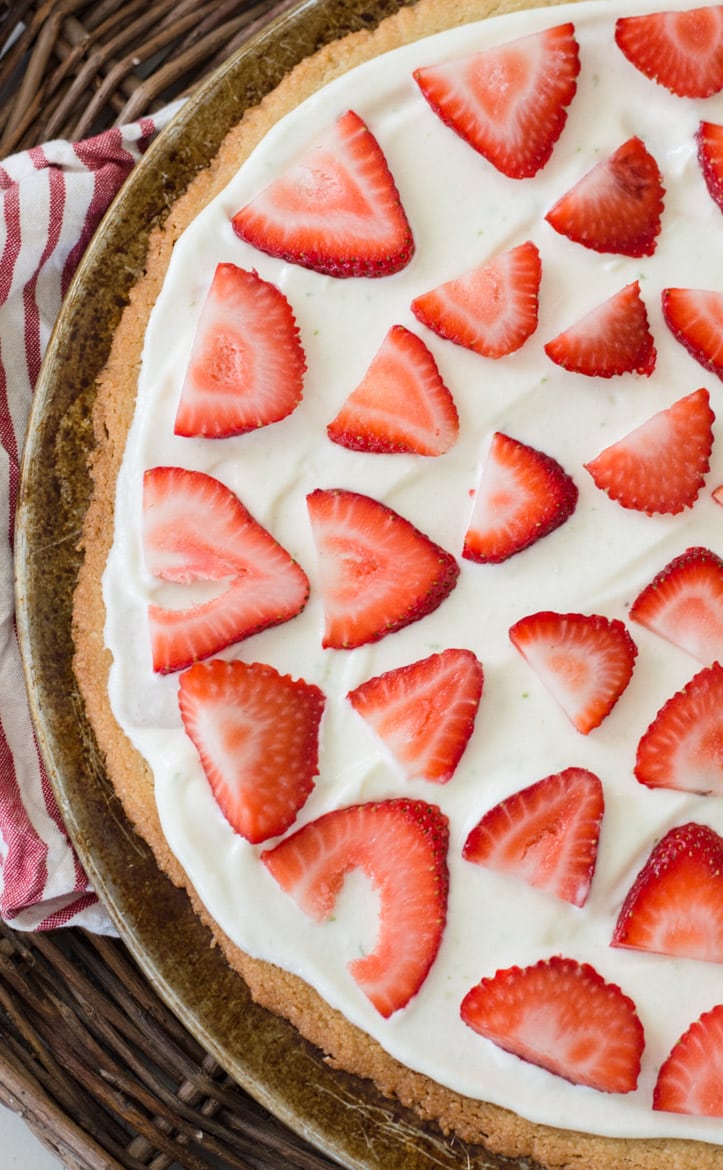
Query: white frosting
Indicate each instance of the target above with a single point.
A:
(461, 212)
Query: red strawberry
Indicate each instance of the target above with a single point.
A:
(424, 712)
(683, 747)
(561, 1015)
(585, 661)
(401, 847)
(523, 495)
(336, 210)
(247, 366)
(491, 309)
(613, 338)
(682, 51)
(616, 206)
(509, 102)
(675, 905)
(695, 318)
(684, 604)
(377, 571)
(546, 834)
(401, 405)
(196, 529)
(659, 467)
(691, 1078)
(710, 157)
(257, 733)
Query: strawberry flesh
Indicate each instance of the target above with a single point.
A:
(613, 338)
(682, 51)
(684, 604)
(709, 137)
(683, 746)
(695, 318)
(690, 1079)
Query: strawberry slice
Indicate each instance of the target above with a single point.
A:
(585, 661)
(709, 137)
(378, 573)
(547, 834)
(683, 747)
(401, 405)
(690, 1079)
(684, 604)
(616, 206)
(509, 102)
(196, 530)
(401, 847)
(492, 309)
(563, 1016)
(424, 712)
(675, 905)
(613, 338)
(695, 318)
(247, 366)
(717, 494)
(257, 733)
(523, 495)
(659, 467)
(682, 51)
(336, 210)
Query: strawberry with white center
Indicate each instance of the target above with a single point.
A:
(563, 1016)
(492, 309)
(546, 834)
(710, 157)
(695, 318)
(584, 660)
(683, 746)
(509, 102)
(684, 604)
(336, 210)
(257, 734)
(690, 1080)
(613, 338)
(401, 847)
(682, 51)
(401, 406)
(424, 712)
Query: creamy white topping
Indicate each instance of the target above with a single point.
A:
(462, 212)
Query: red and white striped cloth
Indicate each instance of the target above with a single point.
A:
(51, 198)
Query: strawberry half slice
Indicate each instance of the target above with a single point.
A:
(378, 573)
(717, 494)
(401, 406)
(613, 338)
(546, 834)
(523, 495)
(401, 847)
(710, 157)
(695, 318)
(684, 604)
(491, 309)
(510, 102)
(675, 905)
(336, 210)
(690, 1079)
(617, 206)
(584, 661)
(659, 467)
(682, 51)
(424, 712)
(683, 747)
(563, 1016)
(196, 530)
(257, 733)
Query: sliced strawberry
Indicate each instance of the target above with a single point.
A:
(675, 905)
(717, 494)
(547, 834)
(683, 747)
(491, 309)
(257, 733)
(401, 847)
(616, 206)
(585, 661)
(690, 1080)
(613, 338)
(684, 604)
(710, 157)
(401, 405)
(659, 467)
(682, 51)
(377, 571)
(247, 366)
(195, 529)
(336, 210)
(695, 318)
(561, 1015)
(523, 495)
(424, 712)
(509, 102)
